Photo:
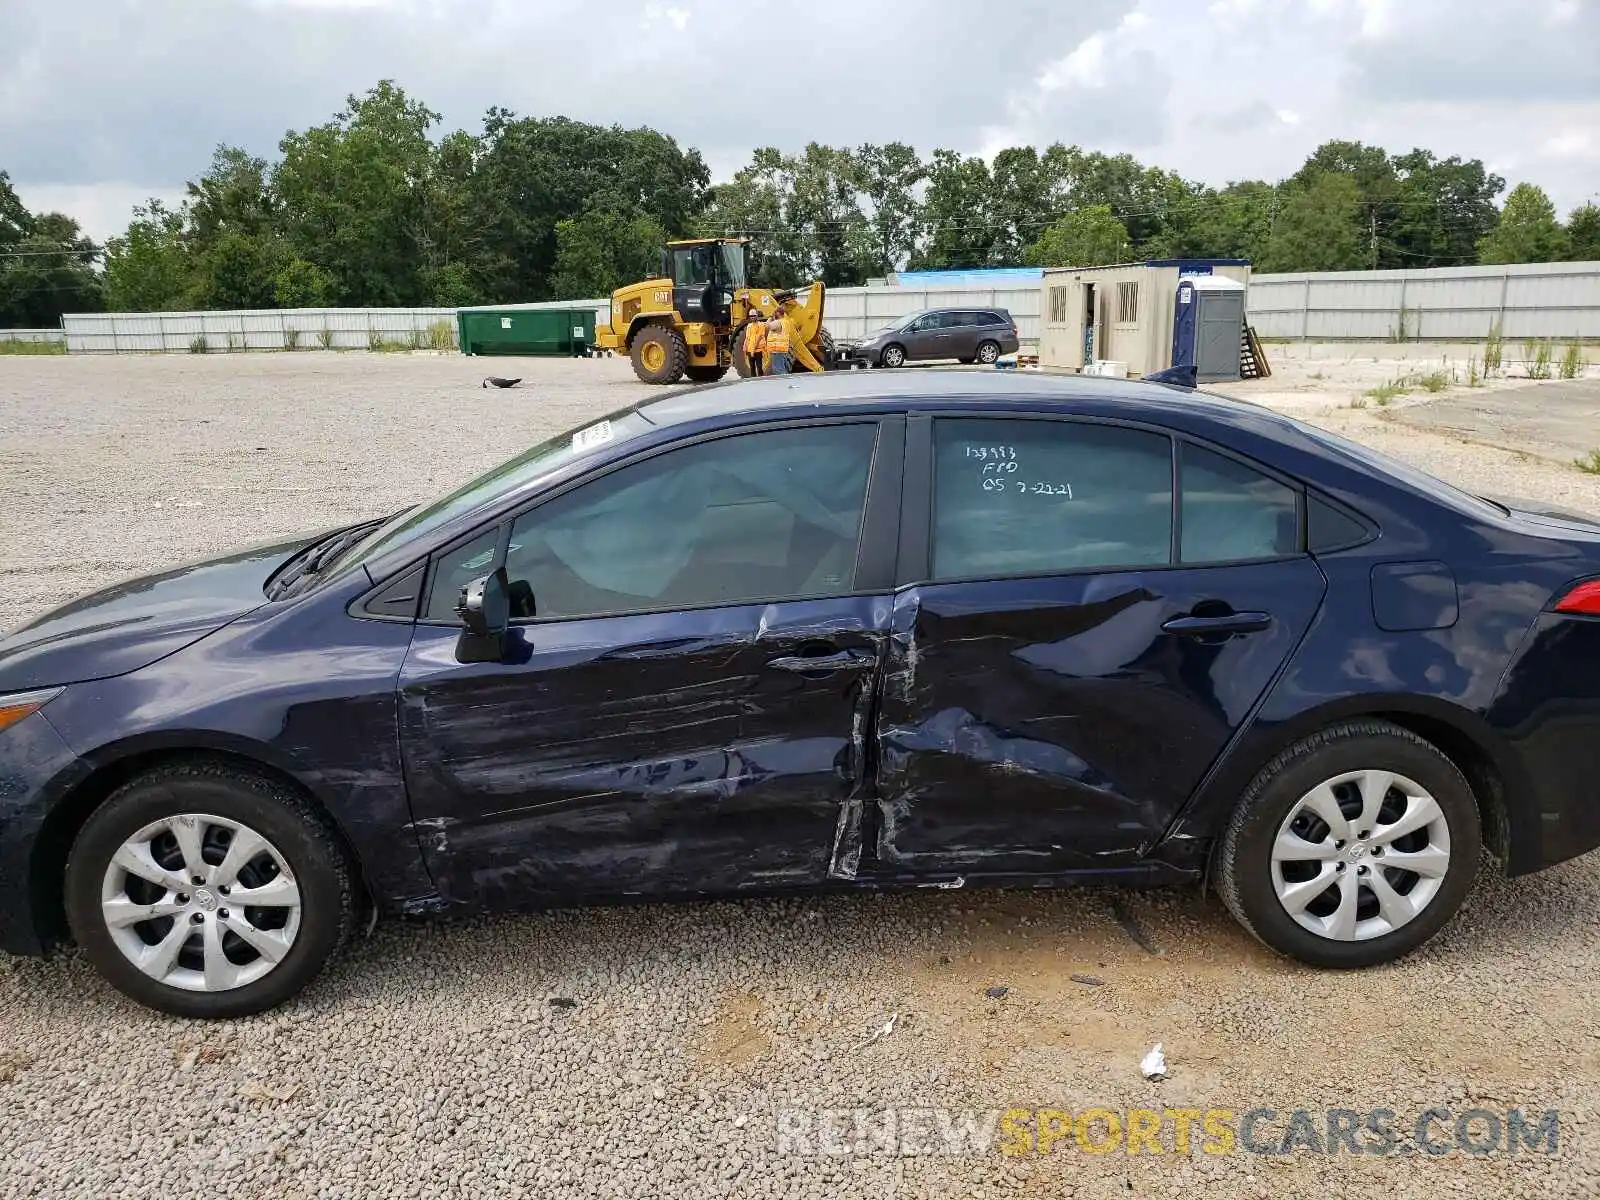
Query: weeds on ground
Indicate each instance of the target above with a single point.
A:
(291, 339)
(1473, 378)
(325, 338)
(414, 340)
(199, 345)
(234, 343)
(1361, 401)
(1572, 363)
(1494, 347)
(1385, 392)
(1537, 355)
(441, 336)
(9, 347)
(1434, 381)
(1400, 333)
(1589, 464)
(379, 344)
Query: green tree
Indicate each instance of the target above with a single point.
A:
(46, 266)
(300, 284)
(1583, 233)
(354, 196)
(600, 251)
(1089, 237)
(1441, 210)
(754, 204)
(1527, 231)
(148, 268)
(238, 270)
(958, 228)
(888, 179)
(1318, 226)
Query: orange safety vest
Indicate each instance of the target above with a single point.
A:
(755, 338)
(778, 342)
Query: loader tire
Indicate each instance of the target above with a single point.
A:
(706, 374)
(741, 361)
(659, 354)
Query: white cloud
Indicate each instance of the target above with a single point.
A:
(1287, 116)
(102, 210)
(1570, 143)
(655, 13)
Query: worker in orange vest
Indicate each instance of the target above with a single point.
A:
(779, 332)
(755, 344)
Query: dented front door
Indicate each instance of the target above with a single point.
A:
(685, 752)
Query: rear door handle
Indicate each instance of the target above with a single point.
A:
(1238, 622)
(821, 664)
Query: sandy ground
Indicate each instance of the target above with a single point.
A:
(430, 1061)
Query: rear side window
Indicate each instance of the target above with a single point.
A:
(1327, 528)
(1232, 512)
(1019, 497)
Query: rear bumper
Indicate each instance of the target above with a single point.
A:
(1548, 711)
(36, 769)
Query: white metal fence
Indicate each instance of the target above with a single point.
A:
(1528, 300)
(1538, 300)
(32, 335)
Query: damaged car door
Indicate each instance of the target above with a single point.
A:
(1084, 645)
(683, 703)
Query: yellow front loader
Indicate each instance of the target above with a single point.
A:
(689, 321)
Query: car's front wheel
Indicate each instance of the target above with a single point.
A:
(1352, 847)
(893, 356)
(205, 890)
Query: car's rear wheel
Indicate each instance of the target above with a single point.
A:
(1352, 847)
(988, 352)
(204, 890)
(893, 356)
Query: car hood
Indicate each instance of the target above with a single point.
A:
(138, 621)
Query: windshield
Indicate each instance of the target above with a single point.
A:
(691, 265)
(542, 459)
(908, 318)
(732, 264)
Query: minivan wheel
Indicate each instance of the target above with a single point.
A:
(893, 356)
(1352, 847)
(988, 352)
(204, 890)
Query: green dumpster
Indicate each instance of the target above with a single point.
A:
(547, 331)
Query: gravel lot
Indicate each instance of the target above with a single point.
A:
(431, 1061)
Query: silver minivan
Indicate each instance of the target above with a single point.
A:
(964, 334)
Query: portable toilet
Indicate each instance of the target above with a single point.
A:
(1208, 325)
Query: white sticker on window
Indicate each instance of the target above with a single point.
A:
(505, 322)
(595, 435)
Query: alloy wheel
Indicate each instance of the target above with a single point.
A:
(200, 902)
(1360, 855)
(893, 356)
(988, 352)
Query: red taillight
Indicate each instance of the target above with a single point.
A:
(1584, 598)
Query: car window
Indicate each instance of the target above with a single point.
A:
(454, 569)
(772, 515)
(1233, 512)
(1329, 529)
(1020, 497)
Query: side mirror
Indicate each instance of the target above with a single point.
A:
(485, 612)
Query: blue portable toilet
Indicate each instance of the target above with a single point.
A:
(1208, 325)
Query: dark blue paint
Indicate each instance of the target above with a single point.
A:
(1024, 730)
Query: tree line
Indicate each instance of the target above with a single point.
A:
(374, 209)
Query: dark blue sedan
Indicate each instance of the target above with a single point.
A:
(816, 633)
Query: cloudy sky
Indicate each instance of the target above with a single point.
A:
(106, 102)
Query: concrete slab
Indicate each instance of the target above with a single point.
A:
(1558, 421)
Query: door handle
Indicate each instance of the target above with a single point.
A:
(821, 664)
(1219, 624)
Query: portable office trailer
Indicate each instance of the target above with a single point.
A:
(1123, 314)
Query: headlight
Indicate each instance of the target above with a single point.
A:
(22, 704)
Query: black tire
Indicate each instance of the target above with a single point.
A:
(674, 357)
(706, 374)
(741, 360)
(893, 355)
(966, 362)
(1242, 859)
(988, 352)
(301, 834)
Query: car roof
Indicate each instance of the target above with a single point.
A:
(931, 388)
